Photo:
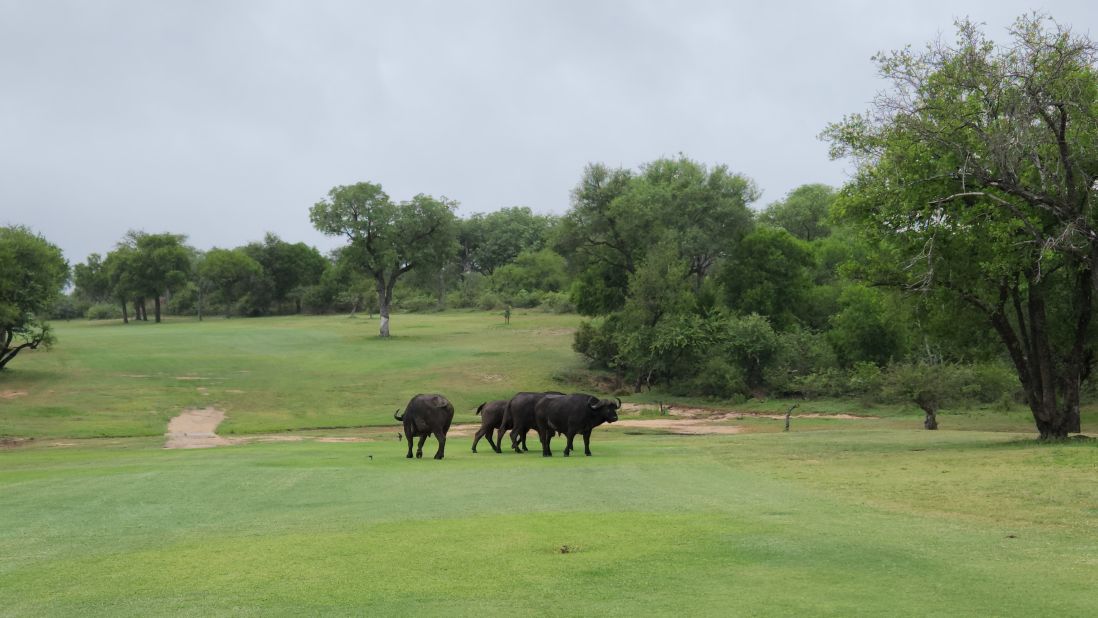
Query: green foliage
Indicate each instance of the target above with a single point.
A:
(91, 281)
(32, 274)
(232, 277)
(866, 328)
(543, 271)
(489, 241)
(803, 213)
(387, 239)
(975, 187)
(769, 273)
(103, 311)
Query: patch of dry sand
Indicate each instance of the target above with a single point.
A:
(195, 429)
(12, 394)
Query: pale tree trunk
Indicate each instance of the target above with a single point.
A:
(384, 297)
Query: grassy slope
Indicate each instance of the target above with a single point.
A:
(270, 374)
(827, 522)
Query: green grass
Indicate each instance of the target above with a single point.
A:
(815, 523)
(838, 517)
(275, 374)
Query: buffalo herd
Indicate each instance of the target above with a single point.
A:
(549, 413)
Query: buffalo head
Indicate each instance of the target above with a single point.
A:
(605, 409)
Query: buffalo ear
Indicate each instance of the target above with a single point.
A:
(593, 402)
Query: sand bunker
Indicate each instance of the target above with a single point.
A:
(195, 429)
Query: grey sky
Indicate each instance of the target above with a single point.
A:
(223, 120)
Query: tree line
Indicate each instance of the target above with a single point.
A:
(957, 263)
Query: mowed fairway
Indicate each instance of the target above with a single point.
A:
(275, 374)
(853, 517)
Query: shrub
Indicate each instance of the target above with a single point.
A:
(103, 311)
(719, 378)
(557, 302)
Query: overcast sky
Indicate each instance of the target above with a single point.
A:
(224, 120)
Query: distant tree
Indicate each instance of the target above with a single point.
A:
(770, 273)
(91, 281)
(976, 182)
(157, 264)
(32, 274)
(230, 275)
(488, 241)
(122, 277)
(288, 267)
(386, 239)
(803, 212)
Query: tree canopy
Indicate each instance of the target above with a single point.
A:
(975, 182)
(388, 239)
(32, 274)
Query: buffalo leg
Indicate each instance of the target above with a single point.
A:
(545, 450)
(568, 447)
(495, 446)
(524, 434)
(408, 435)
(441, 437)
(515, 441)
(587, 443)
(419, 447)
(480, 434)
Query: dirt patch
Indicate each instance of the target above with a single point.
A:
(682, 426)
(717, 414)
(195, 429)
(191, 378)
(466, 429)
(14, 442)
(12, 394)
(235, 391)
(491, 377)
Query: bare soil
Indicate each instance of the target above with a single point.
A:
(12, 394)
(682, 426)
(195, 429)
(718, 414)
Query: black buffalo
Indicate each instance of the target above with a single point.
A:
(519, 418)
(571, 415)
(426, 415)
(491, 417)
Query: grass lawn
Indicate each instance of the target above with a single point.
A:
(816, 523)
(838, 517)
(275, 374)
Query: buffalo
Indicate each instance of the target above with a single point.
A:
(491, 418)
(572, 414)
(519, 418)
(423, 416)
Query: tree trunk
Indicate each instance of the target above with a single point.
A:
(384, 297)
(156, 303)
(931, 420)
(125, 315)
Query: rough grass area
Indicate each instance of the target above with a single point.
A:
(275, 374)
(851, 522)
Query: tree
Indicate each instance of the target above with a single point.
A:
(803, 213)
(231, 276)
(491, 240)
(387, 240)
(91, 280)
(288, 268)
(769, 273)
(32, 274)
(121, 276)
(975, 183)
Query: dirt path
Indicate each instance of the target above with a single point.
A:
(681, 426)
(195, 429)
(716, 414)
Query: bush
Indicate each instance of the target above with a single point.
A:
(800, 354)
(67, 307)
(523, 299)
(416, 303)
(489, 301)
(595, 340)
(557, 302)
(103, 311)
(719, 378)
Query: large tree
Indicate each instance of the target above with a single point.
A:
(388, 239)
(288, 268)
(976, 173)
(32, 273)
